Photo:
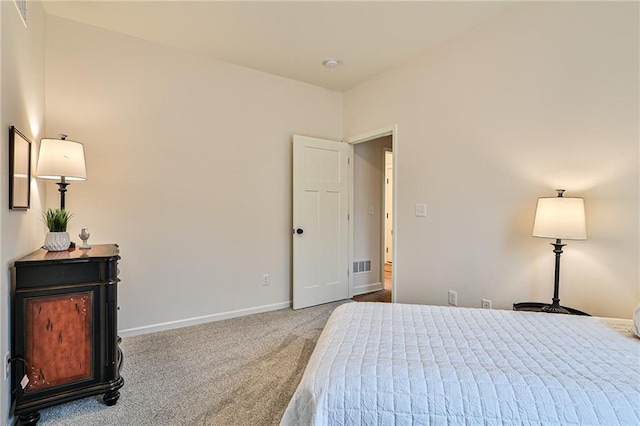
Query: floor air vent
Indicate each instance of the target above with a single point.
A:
(361, 266)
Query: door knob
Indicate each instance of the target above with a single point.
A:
(299, 231)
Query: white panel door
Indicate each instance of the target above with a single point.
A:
(320, 221)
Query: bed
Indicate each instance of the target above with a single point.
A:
(397, 364)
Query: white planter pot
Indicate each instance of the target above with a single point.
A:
(57, 241)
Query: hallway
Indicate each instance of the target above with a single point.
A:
(383, 295)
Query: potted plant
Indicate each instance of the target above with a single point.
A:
(57, 238)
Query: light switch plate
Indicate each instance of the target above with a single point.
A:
(421, 210)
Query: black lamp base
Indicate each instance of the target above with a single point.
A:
(554, 309)
(546, 307)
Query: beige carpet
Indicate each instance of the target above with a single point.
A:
(241, 371)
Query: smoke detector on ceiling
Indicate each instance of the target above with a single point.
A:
(331, 63)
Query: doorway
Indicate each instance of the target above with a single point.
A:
(372, 225)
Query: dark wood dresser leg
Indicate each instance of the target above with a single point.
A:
(29, 419)
(111, 398)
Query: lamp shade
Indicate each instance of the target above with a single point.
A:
(561, 218)
(61, 158)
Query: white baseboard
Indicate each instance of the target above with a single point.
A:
(368, 288)
(136, 331)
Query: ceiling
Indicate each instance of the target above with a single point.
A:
(290, 38)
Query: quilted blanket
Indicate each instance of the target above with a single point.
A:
(395, 364)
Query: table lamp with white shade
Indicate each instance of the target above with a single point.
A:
(559, 218)
(61, 159)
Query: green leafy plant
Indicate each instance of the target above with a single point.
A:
(56, 219)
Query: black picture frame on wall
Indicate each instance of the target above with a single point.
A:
(19, 170)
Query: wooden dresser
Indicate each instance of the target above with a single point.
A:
(64, 329)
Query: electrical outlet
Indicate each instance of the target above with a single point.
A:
(453, 298)
(7, 366)
(265, 279)
(486, 304)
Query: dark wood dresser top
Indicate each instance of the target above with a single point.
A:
(98, 251)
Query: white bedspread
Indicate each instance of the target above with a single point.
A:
(394, 364)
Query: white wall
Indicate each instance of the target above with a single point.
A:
(542, 96)
(189, 169)
(368, 173)
(22, 105)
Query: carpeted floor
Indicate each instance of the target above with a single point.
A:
(241, 371)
